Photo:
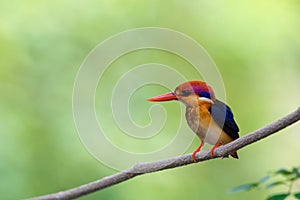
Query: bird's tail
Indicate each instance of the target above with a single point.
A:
(235, 155)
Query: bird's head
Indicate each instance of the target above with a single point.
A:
(190, 93)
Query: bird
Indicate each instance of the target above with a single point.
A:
(209, 118)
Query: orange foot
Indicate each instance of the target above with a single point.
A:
(196, 151)
(213, 149)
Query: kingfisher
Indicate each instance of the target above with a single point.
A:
(211, 120)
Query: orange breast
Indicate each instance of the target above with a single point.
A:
(201, 122)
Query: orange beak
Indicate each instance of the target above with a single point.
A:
(164, 97)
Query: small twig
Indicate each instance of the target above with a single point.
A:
(144, 168)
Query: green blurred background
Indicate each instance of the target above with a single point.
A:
(255, 44)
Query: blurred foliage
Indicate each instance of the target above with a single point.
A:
(255, 44)
(288, 178)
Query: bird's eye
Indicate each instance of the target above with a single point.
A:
(185, 93)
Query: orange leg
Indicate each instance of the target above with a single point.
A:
(196, 151)
(213, 149)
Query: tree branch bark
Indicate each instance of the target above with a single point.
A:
(144, 168)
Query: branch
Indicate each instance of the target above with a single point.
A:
(144, 168)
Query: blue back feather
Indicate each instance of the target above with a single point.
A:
(223, 116)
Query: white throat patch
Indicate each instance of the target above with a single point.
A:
(206, 100)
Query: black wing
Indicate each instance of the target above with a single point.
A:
(223, 116)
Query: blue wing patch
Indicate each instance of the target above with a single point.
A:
(223, 116)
